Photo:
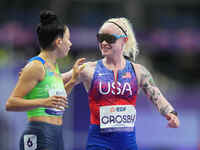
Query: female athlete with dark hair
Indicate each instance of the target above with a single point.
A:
(40, 90)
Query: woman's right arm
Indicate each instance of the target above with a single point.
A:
(75, 77)
(30, 76)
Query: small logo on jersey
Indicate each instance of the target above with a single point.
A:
(102, 74)
(127, 75)
(30, 142)
(51, 73)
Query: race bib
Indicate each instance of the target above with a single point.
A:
(54, 111)
(30, 142)
(117, 117)
(57, 92)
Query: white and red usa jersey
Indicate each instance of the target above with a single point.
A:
(106, 91)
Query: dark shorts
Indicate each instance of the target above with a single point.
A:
(42, 136)
(111, 140)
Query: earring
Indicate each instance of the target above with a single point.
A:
(126, 38)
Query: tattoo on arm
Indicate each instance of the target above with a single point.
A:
(153, 93)
(165, 109)
(149, 86)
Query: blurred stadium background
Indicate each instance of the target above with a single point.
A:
(168, 34)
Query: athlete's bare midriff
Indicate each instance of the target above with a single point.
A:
(47, 119)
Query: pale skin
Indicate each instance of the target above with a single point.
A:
(34, 72)
(114, 60)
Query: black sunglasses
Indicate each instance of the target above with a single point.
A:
(109, 38)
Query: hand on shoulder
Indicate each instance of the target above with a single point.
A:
(90, 65)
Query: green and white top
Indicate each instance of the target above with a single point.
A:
(51, 85)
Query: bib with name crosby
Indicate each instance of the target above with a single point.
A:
(117, 118)
(112, 100)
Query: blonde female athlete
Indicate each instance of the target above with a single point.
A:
(112, 84)
(40, 89)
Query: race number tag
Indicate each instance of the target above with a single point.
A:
(30, 142)
(57, 92)
(54, 111)
(117, 116)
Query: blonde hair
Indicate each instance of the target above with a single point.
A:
(130, 49)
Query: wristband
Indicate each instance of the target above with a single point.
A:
(174, 112)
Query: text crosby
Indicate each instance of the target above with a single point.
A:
(118, 119)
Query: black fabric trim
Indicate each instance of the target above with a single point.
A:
(118, 27)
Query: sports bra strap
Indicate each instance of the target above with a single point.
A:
(37, 58)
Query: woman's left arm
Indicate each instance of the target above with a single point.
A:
(150, 89)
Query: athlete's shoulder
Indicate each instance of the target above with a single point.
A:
(139, 70)
(33, 69)
(35, 65)
(138, 67)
